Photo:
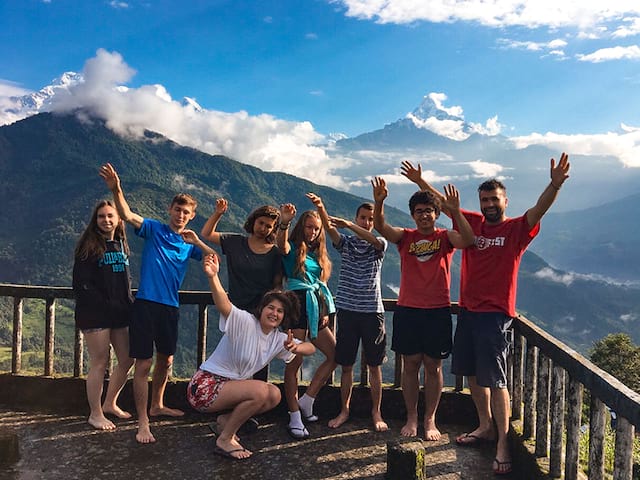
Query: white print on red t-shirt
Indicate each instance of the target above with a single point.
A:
(424, 249)
(484, 242)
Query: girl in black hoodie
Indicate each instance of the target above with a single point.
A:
(102, 288)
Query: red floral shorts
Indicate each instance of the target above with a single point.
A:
(203, 389)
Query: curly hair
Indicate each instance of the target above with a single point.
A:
(318, 246)
(289, 301)
(264, 211)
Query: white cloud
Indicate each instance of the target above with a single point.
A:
(116, 4)
(11, 89)
(485, 169)
(628, 317)
(554, 47)
(439, 99)
(585, 15)
(263, 140)
(625, 146)
(631, 52)
(311, 36)
(567, 278)
(630, 30)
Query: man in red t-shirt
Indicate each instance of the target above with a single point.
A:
(422, 321)
(488, 284)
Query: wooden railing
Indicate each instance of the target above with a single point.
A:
(547, 380)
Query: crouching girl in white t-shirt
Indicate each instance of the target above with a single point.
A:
(223, 381)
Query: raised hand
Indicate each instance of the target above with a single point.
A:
(338, 222)
(412, 173)
(451, 201)
(221, 206)
(560, 172)
(380, 190)
(315, 199)
(189, 236)
(211, 265)
(110, 176)
(289, 343)
(287, 212)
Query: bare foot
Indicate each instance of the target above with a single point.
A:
(339, 420)
(221, 421)
(117, 411)
(165, 412)
(379, 425)
(410, 429)
(431, 432)
(101, 423)
(144, 435)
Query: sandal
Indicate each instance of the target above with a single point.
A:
(501, 468)
(298, 433)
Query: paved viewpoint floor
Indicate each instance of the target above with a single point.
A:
(65, 447)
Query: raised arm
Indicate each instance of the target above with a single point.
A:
(209, 232)
(463, 236)
(211, 267)
(380, 192)
(111, 178)
(415, 175)
(363, 233)
(287, 214)
(559, 173)
(324, 217)
(299, 348)
(191, 237)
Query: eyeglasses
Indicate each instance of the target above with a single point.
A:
(423, 211)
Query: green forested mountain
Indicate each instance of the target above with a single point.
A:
(49, 183)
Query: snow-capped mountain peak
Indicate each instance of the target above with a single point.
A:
(432, 107)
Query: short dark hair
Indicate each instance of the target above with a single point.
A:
(425, 198)
(289, 301)
(366, 206)
(492, 184)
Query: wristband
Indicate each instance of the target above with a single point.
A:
(284, 226)
(552, 184)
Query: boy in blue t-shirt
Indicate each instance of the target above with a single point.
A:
(167, 248)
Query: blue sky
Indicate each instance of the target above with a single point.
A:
(565, 70)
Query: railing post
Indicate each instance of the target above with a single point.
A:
(364, 369)
(557, 422)
(596, 439)
(49, 336)
(78, 347)
(542, 407)
(574, 416)
(623, 460)
(397, 372)
(16, 350)
(202, 333)
(516, 388)
(531, 376)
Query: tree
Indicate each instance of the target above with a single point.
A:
(618, 355)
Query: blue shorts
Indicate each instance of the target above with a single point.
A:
(480, 347)
(353, 326)
(153, 323)
(422, 330)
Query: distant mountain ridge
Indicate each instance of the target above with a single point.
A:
(49, 184)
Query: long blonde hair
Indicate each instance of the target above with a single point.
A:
(318, 246)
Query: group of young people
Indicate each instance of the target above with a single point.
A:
(278, 305)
